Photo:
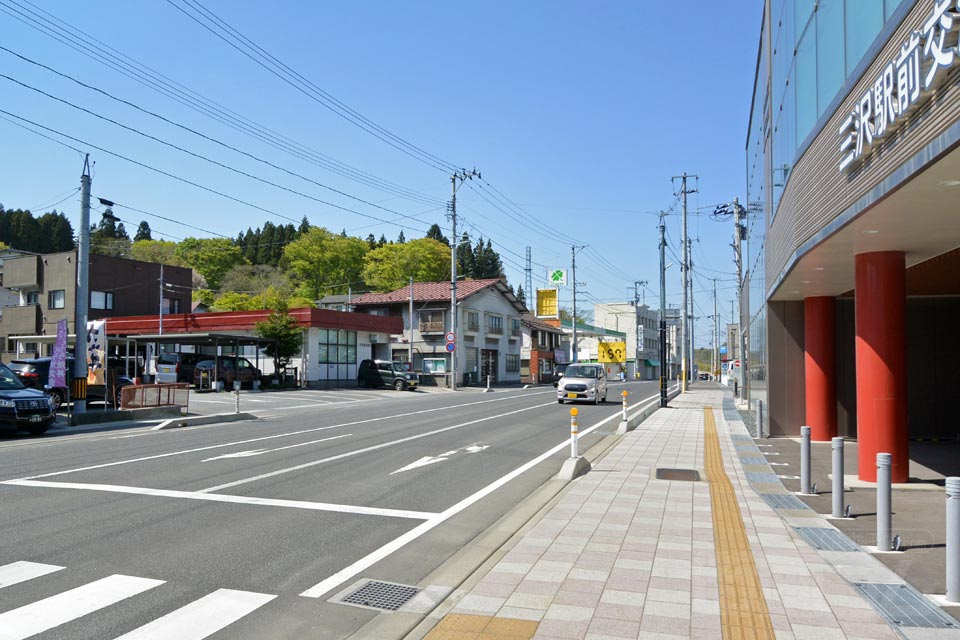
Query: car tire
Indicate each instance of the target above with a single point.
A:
(58, 399)
(399, 385)
(362, 382)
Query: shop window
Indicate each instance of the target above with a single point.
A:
(337, 346)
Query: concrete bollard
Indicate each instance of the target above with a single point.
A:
(805, 460)
(573, 433)
(837, 445)
(884, 499)
(953, 539)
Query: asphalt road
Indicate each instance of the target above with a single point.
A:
(246, 529)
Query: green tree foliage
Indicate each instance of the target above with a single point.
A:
(486, 261)
(372, 242)
(159, 251)
(258, 280)
(391, 267)
(465, 261)
(436, 233)
(50, 233)
(401, 238)
(521, 295)
(233, 301)
(324, 262)
(143, 232)
(212, 258)
(287, 334)
(265, 245)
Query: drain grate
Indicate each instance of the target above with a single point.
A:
(783, 501)
(689, 475)
(381, 595)
(752, 460)
(904, 607)
(762, 478)
(826, 539)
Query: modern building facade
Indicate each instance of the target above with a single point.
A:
(46, 292)
(640, 324)
(539, 350)
(853, 175)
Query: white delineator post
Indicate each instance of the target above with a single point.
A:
(884, 491)
(837, 504)
(624, 394)
(805, 460)
(953, 539)
(573, 433)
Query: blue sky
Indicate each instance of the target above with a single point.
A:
(578, 113)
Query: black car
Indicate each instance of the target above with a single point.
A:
(377, 373)
(22, 408)
(558, 372)
(35, 374)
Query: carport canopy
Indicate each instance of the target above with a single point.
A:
(204, 340)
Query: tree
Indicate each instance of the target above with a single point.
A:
(210, 257)
(304, 226)
(324, 262)
(465, 262)
(109, 239)
(281, 327)
(159, 251)
(372, 242)
(233, 301)
(391, 266)
(143, 232)
(436, 233)
(521, 295)
(50, 233)
(257, 280)
(401, 238)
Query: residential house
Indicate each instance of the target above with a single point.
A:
(487, 340)
(541, 350)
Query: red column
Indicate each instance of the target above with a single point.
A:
(880, 296)
(820, 367)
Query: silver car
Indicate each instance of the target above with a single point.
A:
(583, 382)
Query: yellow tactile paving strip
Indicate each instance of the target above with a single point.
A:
(743, 610)
(458, 626)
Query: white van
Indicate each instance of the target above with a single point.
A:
(583, 382)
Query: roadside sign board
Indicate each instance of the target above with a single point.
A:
(548, 303)
(558, 277)
(450, 337)
(451, 347)
(612, 352)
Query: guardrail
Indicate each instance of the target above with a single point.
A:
(139, 396)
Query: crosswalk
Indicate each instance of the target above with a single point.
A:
(194, 621)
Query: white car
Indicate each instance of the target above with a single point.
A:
(583, 382)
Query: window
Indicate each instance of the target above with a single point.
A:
(513, 362)
(495, 325)
(514, 327)
(473, 321)
(431, 321)
(101, 300)
(55, 299)
(864, 20)
(170, 305)
(830, 59)
(33, 298)
(337, 346)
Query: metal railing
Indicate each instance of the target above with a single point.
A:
(139, 396)
(495, 330)
(431, 326)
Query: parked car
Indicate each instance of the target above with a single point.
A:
(583, 382)
(222, 370)
(178, 367)
(23, 408)
(383, 373)
(35, 374)
(558, 373)
(704, 376)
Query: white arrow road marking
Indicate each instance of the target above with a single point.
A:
(476, 447)
(259, 452)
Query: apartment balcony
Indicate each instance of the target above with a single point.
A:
(22, 321)
(494, 331)
(472, 327)
(22, 273)
(431, 327)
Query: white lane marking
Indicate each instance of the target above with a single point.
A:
(202, 617)
(220, 497)
(372, 558)
(789, 477)
(270, 437)
(476, 447)
(260, 452)
(17, 572)
(770, 453)
(54, 611)
(779, 464)
(382, 445)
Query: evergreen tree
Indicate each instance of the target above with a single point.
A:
(343, 233)
(521, 295)
(436, 233)
(143, 232)
(382, 241)
(304, 226)
(372, 241)
(122, 232)
(465, 262)
(265, 247)
(401, 239)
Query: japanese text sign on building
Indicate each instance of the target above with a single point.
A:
(898, 89)
(548, 303)
(612, 352)
(558, 277)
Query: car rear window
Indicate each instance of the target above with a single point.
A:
(168, 358)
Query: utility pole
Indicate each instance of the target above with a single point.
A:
(716, 332)
(738, 236)
(410, 313)
(461, 175)
(693, 349)
(83, 295)
(573, 273)
(684, 333)
(161, 300)
(663, 315)
(528, 272)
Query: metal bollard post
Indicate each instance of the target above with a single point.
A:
(759, 418)
(884, 513)
(236, 397)
(488, 381)
(573, 433)
(735, 394)
(624, 394)
(953, 539)
(805, 460)
(837, 445)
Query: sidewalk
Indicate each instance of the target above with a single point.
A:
(623, 554)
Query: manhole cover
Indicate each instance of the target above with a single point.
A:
(381, 595)
(690, 475)
(904, 607)
(826, 539)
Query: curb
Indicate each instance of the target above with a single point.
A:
(191, 421)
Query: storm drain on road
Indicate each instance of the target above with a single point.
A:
(375, 594)
(826, 539)
(783, 501)
(690, 475)
(904, 606)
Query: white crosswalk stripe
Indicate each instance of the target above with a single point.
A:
(17, 572)
(54, 611)
(202, 617)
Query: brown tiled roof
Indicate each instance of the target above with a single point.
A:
(532, 321)
(424, 292)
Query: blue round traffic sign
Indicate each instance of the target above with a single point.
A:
(451, 347)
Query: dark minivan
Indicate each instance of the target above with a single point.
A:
(23, 408)
(383, 373)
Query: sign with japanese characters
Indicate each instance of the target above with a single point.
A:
(903, 84)
(548, 303)
(558, 277)
(96, 351)
(612, 352)
(58, 363)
